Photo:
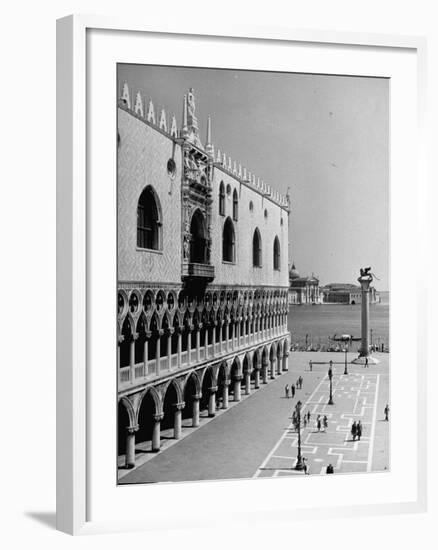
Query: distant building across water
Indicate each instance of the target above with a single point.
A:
(344, 293)
(307, 290)
(303, 290)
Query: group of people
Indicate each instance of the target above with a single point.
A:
(321, 423)
(290, 391)
(356, 430)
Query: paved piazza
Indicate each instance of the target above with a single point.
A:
(255, 438)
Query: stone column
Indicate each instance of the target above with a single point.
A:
(232, 334)
(247, 383)
(195, 411)
(189, 343)
(212, 401)
(169, 347)
(225, 394)
(365, 281)
(198, 342)
(130, 446)
(256, 379)
(286, 361)
(237, 387)
(226, 336)
(179, 347)
(146, 353)
(278, 366)
(265, 373)
(206, 343)
(177, 420)
(132, 357)
(156, 440)
(158, 353)
(273, 365)
(213, 341)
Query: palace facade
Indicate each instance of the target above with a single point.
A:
(202, 277)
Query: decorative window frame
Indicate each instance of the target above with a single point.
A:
(76, 488)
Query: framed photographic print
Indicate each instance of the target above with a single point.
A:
(233, 324)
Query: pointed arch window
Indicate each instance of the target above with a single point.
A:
(228, 242)
(235, 206)
(222, 199)
(149, 223)
(257, 249)
(276, 254)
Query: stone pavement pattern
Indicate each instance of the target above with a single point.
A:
(255, 438)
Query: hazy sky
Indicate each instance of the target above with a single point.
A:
(325, 137)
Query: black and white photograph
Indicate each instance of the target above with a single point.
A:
(253, 260)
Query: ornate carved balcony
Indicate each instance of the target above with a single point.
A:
(191, 270)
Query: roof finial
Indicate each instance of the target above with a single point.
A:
(184, 130)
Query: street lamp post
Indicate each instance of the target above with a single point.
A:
(330, 375)
(346, 351)
(299, 464)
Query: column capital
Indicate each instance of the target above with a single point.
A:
(121, 339)
(132, 429)
(197, 396)
(170, 331)
(238, 378)
(160, 332)
(213, 389)
(158, 417)
(180, 406)
(148, 333)
(226, 382)
(135, 336)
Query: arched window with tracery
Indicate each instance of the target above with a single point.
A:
(257, 249)
(276, 253)
(222, 199)
(198, 242)
(149, 220)
(235, 206)
(228, 242)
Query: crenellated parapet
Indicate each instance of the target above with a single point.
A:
(189, 132)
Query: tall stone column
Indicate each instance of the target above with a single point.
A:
(130, 446)
(212, 401)
(278, 366)
(365, 356)
(177, 429)
(232, 335)
(213, 341)
(237, 388)
(156, 439)
(195, 411)
(247, 383)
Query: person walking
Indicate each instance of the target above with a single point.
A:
(354, 430)
(366, 363)
(286, 390)
(386, 411)
(318, 423)
(308, 417)
(292, 389)
(325, 422)
(330, 469)
(300, 380)
(305, 421)
(310, 365)
(359, 430)
(305, 467)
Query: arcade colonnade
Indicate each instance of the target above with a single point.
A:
(163, 405)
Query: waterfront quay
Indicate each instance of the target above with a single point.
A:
(255, 437)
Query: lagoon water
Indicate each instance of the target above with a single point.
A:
(313, 325)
